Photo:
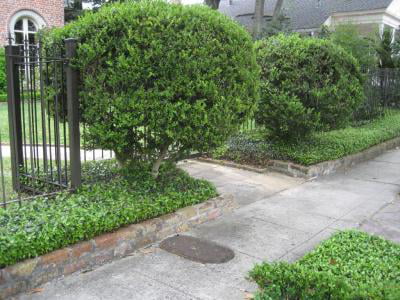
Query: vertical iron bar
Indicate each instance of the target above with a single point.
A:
(14, 114)
(34, 100)
(49, 118)
(63, 103)
(57, 123)
(30, 109)
(21, 70)
(84, 142)
(73, 114)
(2, 174)
(43, 109)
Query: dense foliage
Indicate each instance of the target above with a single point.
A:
(349, 265)
(306, 84)
(251, 148)
(118, 197)
(160, 79)
(388, 50)
(3, 82)
(349, 37)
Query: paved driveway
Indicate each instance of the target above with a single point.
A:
(280, 218)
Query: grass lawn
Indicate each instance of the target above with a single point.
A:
(252, 147)
(349, 265)
(6, 186)
(4, 131)
(118, 197)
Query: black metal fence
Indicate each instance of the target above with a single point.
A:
(382, 93)
(43, 145)
(41, 151)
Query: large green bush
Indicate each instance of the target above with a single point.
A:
(3, 82)
(350, 38)
(180, 78)
(350, 265)
(306, 84)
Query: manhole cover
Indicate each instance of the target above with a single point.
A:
(198, 250)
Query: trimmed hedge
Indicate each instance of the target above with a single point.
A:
(187, 74)
(307, 84)
(251, 148)
(120, 197)
(336, 144)
(349, 265)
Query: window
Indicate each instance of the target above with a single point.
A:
(25, 29)
(24, 25)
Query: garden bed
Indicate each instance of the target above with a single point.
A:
(47, 238)
(323, 153)
(349, 265)
(126, 197)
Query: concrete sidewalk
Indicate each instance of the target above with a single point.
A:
(280, 218)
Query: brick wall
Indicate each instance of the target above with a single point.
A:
(52, 11)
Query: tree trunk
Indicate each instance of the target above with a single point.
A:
(157, 163)
(122, 158)
(214, 4)
(277, 10)
(258, 17)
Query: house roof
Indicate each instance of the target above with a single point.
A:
(303, 14)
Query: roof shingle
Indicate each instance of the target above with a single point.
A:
(303, 14)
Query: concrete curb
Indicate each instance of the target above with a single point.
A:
(317, 170)
(87, 255)
(232, 164)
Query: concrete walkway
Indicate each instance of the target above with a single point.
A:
(280, 218)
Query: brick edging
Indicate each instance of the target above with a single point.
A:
(31, 273)
(317, 170)
(232, 164)
(332, 166)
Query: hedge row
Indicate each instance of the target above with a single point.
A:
(118, 198)
(253, 148)
(349, 265)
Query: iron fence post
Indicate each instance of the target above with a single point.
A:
(14, 113)
(73, 114)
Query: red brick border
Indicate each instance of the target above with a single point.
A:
(316, 170)
(31, 273)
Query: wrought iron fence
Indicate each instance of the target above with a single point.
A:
(42, 150)
(382, 93)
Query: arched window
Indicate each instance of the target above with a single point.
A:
(24, 25)
(25, 29)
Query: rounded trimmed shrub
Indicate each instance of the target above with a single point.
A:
(307, 84)
(160, 79)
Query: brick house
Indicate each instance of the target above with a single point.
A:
(23, 18)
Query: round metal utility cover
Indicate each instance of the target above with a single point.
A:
(198, 250)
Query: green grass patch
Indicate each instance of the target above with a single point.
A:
(6, 180)
(253, 148)
(349, 265)
(3, 97)
(119, 197)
